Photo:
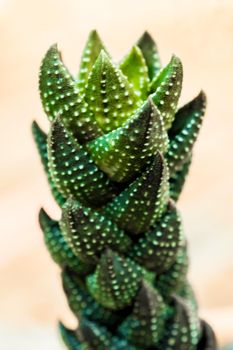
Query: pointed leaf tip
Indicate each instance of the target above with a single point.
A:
(150, 53)
(57, 245)
(124, 152)
(110, 98)
(166, 89)
(59, 95)
(94, 33)
(103, 56)
(40, 138)
(158, 248)
(184, 133)
(93, 47)
(72, 170)
(135, 69)
(115, 282)
(146, 35)
(79, 220)
(143, 327)
(143, 201)
(82, 303)
(186, 113)
(94, 335)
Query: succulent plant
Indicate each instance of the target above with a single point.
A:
(116, 157)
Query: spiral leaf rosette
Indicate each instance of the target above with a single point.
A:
(116, 157)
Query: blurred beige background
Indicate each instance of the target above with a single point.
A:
(201, 34)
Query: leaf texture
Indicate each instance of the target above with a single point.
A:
(108, 94)
(166, 89)
(123, 153)
(150, 53)
(89, 232)
(73, 171)
(60, 96)
(115, 282)
(143, 202)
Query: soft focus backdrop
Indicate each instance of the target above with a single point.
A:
(201, 34)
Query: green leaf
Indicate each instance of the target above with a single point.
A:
(124, 152)
(73, 171)
(184, 133)
(142, 203)
(187, 294)
(115, 282)
(109, 96)
(83, 304)
(187, 113)
(58, 247)
(99, 337)
(166, 89)
(89, 233)
(135, 69)
(170, 281)
(60, 96)
(94, 335)
(90, 53)
(144, 325)
(150, 53)
(177, 179)
(40, 139)
(157, 250)
(182, 330)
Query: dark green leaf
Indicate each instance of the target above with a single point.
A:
(184, 132)
(89, 233)
(40, 139)
(177, 180)
(83, 304)
(157, 250)
(73, 171)
(182, 330)
(166, 89)
(143, 202)
(58, 247)
(150, 53)
(170, 281)
(144, 326)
